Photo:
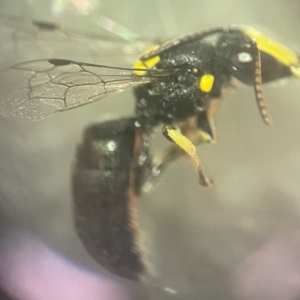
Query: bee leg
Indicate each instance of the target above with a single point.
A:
(204, 131)
(159, 164)
(189, 148)
(198, 129)
(205, 119)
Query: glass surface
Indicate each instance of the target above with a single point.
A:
(239, 239)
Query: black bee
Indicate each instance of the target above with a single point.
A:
(179, 84)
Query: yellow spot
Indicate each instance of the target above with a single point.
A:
(206, 83)
(139, 65)
(204, 136)
(182, 141)
(280, 52)
(295, 70)
(146, 64)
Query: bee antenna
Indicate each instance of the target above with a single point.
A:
(257, 81)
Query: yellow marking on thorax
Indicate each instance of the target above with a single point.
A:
(280, 52)
(145, 64)
(206, 83)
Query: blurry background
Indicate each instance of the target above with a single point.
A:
(237, 240)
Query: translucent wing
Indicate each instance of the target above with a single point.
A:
(53, 85)
(23, 37)
(25, 28)
(38, 88)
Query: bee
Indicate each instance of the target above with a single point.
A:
(178, 85)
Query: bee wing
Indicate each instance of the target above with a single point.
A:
(26, 38)
(54, 85)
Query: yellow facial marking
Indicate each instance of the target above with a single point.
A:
(146, 64)
(206, 83)
(280, 52)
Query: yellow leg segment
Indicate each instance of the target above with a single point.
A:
(189, 148)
